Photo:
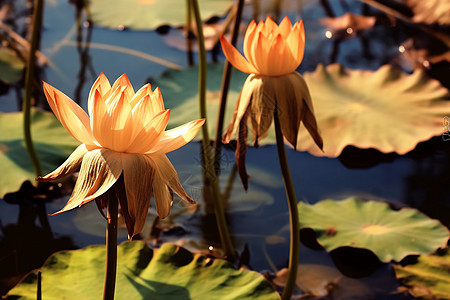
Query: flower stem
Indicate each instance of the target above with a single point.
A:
(111, 247)
(225, 237)
(29, 76)
(294, 248)
(226, 84)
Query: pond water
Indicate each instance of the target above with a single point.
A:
(258, 219)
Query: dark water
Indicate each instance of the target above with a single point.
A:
(258, 219)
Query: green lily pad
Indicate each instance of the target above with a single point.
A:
(373, 225)
(11, 65)
(385, 109)
(170, 272)
(150, 14)
(429, 278)
(52, 142)
(179, 89)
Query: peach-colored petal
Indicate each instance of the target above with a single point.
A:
(99, 170)
(71, 115)
(101, 121)
(167, 173)
(102, 85)
(163, 197)
(296, 43)
(119, 118)
(72, 164)
(235, 58)
(150, 135)
(269, 26)
(178, 137)
(285, 27)
(125, 86)
(261, 59)
(144, 91)
(138, 174)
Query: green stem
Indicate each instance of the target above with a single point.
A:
(111, 247)
(210, 173)
(294, 248)
(226, 84)
(29, 75)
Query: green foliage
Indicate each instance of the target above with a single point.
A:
(51, 140)
(150, 14)
(373, 225)
(429, 278)
(11, 65)
(170, 272)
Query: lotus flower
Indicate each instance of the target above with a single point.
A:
(123, 137)
(272, 54)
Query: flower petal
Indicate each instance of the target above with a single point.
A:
(241, 151)
(285, 27)
(138, 174)
(235, 58)
(124, 85)
(262, 107)
(163, 197)
(178, 137)
(149, 136)
(102, 85)
(71, 115)
(296, 42)
(99, 170)
(167, 173)
(72, 164)
(251, 83)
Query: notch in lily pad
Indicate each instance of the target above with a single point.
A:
(373, 225)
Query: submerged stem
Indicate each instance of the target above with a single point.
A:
(210, 172)
(29, 75)
(111, 247)
(294, 248)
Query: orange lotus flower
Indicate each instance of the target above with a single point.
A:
(271, 50)
(123, 137)
(272, 53)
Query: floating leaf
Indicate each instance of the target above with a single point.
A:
(389, 234)
(179, 89)
(170, 272)
(11, 65)
(387, 110)
(150, 14)
(52, 142)
(429, 278)
(430, 11)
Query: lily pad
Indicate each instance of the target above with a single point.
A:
(11, 65)
(429, 278)
(373, 225)
(150, 14)
(387, 110)
(170, 272)
(52, 142)
(180, 93)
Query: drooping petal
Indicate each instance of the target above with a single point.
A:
(102, 85)
(262, 107)
(235, 58)
(251, 83)
(178, 137)
(290, 105)
(138, 174)
(99, 170)
(163, 197)
(150, 135)
(168, 174)
(71, 115)
(72, 164)
(308, 118)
